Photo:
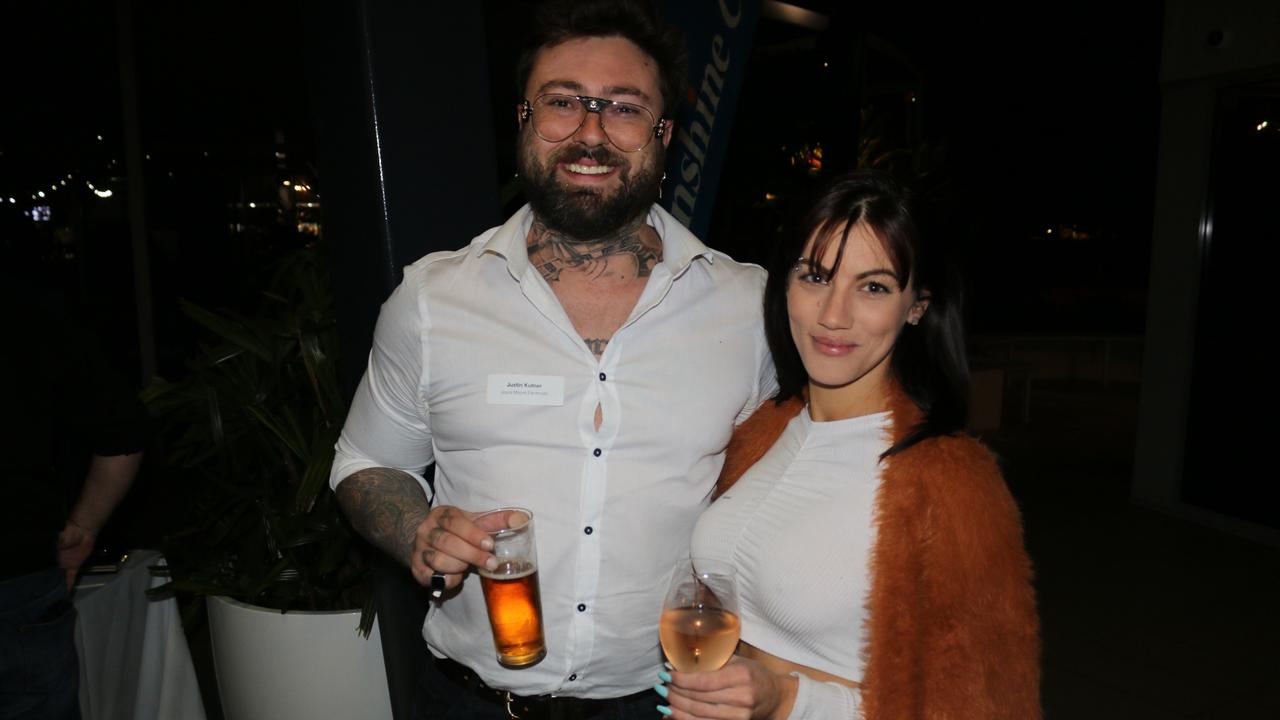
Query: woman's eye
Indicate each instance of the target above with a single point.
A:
(813, 277)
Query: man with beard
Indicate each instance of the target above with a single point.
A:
(587, 360)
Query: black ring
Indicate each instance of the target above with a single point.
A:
(437, 585)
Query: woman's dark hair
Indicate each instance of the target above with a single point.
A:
(929, 360)
(635, 20)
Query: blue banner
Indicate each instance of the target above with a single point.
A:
(719, 34)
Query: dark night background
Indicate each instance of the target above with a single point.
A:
(1034, 132)
(1033, 124)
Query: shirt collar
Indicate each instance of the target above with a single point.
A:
(679, 246)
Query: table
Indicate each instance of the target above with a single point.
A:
(134, 659)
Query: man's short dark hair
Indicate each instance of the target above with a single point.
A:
(635, 20)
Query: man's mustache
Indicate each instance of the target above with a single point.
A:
(578, 151)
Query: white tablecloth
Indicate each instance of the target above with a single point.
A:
(134, 660)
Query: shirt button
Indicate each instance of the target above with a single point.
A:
(603, 377)
(573, 677)
(587, 530)
(596, 452)
(582, 607)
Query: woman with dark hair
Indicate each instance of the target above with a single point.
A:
(879, 554)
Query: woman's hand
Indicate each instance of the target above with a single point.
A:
(740, 690)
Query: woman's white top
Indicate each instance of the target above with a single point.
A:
(798, 528)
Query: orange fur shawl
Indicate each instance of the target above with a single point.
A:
(952, 629)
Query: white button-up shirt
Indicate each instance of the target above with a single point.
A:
(475, 365)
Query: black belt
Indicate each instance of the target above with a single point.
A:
(537, 707)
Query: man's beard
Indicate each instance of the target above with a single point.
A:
(587, 213)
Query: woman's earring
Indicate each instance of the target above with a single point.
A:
(664, 179)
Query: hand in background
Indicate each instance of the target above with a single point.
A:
(108, 480)
(74, 546)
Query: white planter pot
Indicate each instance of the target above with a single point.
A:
(304, 665)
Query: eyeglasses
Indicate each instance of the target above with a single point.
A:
(556, 117)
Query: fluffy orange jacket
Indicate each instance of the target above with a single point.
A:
(952, 629)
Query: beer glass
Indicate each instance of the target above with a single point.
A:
(511, 590)
(699, 625)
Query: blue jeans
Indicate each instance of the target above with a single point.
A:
(39, 672)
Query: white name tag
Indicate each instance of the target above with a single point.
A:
(526, 390)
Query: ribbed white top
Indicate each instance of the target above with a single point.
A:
(798, 528)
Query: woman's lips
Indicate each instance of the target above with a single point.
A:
(832, 346)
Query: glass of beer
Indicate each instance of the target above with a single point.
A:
(699, 625)
(511, 590)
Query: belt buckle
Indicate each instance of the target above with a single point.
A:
(510, 712)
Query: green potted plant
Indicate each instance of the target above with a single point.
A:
(250, 430)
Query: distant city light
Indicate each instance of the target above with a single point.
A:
(89, 184)
(41, 193)
(824, 64)
(99, 137)
(253, 205)
(102, 193)
(68, 176)
(53, 187)
(1262, 126)
(286, 183)
(148, 156)
(770, 197)
(12, 201)
(62, 183)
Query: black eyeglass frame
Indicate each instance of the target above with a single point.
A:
(593, 105)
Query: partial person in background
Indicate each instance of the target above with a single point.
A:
(61, 399)
(879, 553)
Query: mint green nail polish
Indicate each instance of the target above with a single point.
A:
(664, 676)
(661, 690)
(664, 709)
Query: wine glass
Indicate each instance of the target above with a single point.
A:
(699, 625)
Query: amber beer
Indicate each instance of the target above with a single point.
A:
(515, 613)
(511, 590)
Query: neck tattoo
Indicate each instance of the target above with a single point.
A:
(631, 253)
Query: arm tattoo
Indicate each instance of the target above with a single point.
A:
(552, 253)
(385, 506)
(596, 345)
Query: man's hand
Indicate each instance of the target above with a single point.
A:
(74, 546)
(448, 542)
